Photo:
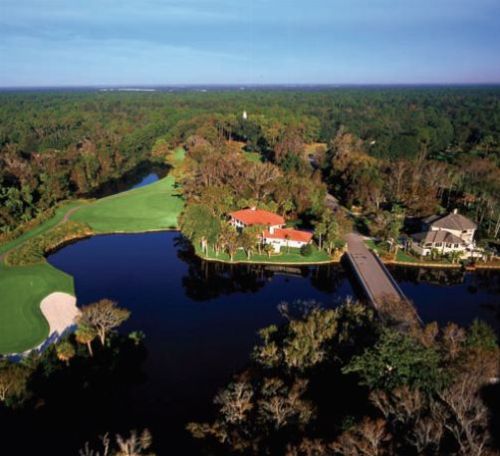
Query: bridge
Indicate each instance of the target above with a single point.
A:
(380, 288)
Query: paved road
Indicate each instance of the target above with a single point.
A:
(375, 279)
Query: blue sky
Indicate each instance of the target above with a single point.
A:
(125, 42)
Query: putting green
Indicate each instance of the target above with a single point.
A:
(22, 325)
(149, 208)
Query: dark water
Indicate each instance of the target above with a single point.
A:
(201, 319)
(143, 174)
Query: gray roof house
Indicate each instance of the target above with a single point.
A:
(446, 233)
(453, 221)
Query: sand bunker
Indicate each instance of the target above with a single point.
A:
(60, 311)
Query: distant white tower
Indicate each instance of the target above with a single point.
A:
(244, 115)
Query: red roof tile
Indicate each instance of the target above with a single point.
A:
(257, 217)
(290, 234)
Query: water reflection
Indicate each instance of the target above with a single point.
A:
(207, 280)
(143, 174)
(201, 320)
(455, 295)
(435, 276)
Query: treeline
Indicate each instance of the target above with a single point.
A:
(57, 145)
(334, 382)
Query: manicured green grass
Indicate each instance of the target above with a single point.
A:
(401, 255)
(152, 207)
(42, 228)
(406, 257)
(294, 256)
(22, 325)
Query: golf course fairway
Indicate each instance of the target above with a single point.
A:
(153, 207)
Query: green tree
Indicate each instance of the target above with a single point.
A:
(229, 240)
(198, 224)
(84, 335)
(65, 351)
(13, 378)
(269, 249)
(481, 336)
(256, 232)
(397, 360)
(247, 241)
(320, 231)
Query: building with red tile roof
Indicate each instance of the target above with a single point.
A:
(275, 234)
(253, 216)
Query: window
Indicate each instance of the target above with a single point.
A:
(438, 244)
(455, 245)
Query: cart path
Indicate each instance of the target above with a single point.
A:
(65, 219)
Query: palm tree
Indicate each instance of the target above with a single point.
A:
(268, 248)
(319, 232)
(455, 256)
(85, 335)
(65, 351)
(256, 231)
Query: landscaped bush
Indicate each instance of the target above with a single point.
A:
(306, 250)
(21, 229)
(34, 249)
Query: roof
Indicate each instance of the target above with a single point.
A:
(453, 221)
(437, 236)
(432, 218)
(257, 217)
(290, 234)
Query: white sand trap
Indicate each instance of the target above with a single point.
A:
(60, 311)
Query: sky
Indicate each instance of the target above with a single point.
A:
(167, 42)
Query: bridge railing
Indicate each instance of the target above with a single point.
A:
(397, 288)
(361, 279)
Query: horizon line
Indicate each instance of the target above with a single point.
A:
(250, 85)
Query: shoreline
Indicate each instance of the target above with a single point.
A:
(77, 238)
(339, 260)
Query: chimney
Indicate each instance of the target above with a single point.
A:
(455, 211)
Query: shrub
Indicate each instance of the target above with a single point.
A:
(34, 249)
(306, 250)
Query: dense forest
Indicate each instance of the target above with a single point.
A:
(422, 149)
(336, 382)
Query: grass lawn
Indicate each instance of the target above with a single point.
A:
(148, 208)
(294, 256)
(22, 325)
(152, 207)
(253, 157)
(402, 255)
(42, 228)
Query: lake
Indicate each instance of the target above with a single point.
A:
(201, 320)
